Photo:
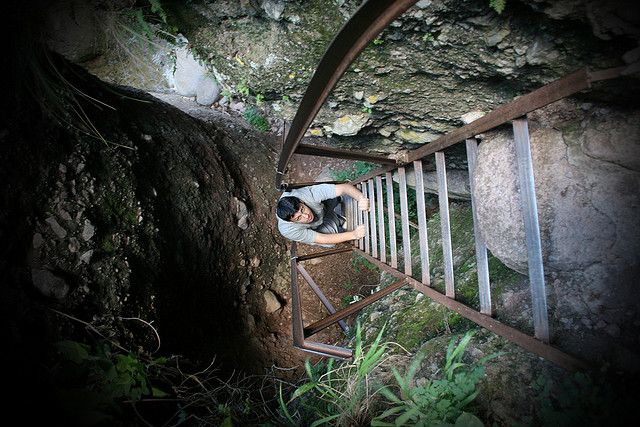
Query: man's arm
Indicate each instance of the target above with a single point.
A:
(354, 193)
(330, 239)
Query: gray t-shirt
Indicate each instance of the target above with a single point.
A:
(313, 197)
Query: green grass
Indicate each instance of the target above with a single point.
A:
(256, 120)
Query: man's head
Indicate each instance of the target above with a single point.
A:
(294, 210)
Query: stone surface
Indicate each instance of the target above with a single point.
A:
(242, 214)
(207, 91)
(457, 182)
(586, 188)
(88, 231)
(56, 228)
(188, 74)
(271, 301)
(49, 285)
(349, 124)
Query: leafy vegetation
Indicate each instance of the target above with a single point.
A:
(350, 393)
(256, 120)
(358, 169)
(498, 5)
(437, 401)
(106, 383)
(242, 88)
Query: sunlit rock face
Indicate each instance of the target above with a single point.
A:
(438, 61)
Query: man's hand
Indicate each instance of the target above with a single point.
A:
(358, 232)
(363, 203)
(333, 238)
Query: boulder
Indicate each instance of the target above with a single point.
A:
(587, 176)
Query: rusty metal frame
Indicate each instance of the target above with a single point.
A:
(366, 23)
(339, 153)
(525, 341)
(301, 333)
(364, 26)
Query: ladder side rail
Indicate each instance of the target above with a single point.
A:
(321, 296)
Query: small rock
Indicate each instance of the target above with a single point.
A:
(74, 245)
(37, 240)
(56, 228)
(358, 95)
(255, 262)
(471, 116)
(88, 231)
(62, 168)
(64, 214)
(273, 8)
(349, 124)
(86, 257)
(49, 284)
(242, 214)
(272, 302)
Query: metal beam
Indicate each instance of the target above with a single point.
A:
(321, 296)
(338, 153)
(353, 308)
(323, 253)
(525, 341)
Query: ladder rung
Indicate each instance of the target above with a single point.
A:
(392, 221)
(531, 228)
(372, 217)
(381, 231)
(404, 220)
(482, 262)
(443, 199)
(422, 222)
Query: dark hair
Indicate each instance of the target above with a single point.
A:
(287, 207)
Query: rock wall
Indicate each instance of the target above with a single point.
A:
(587, 173)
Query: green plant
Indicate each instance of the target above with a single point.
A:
(95, 379)
(378, 41)
(256, 120)
(438, 400)
(498, 5)
(259, 99)
(358, 169)
(358, 261)
(242, 88)
(366, 109)
(286, 98)
(338, 395)
(226, 93)
(428, 37)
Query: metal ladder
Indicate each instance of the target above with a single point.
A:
(366, 23)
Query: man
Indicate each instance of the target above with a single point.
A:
(307, 214)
